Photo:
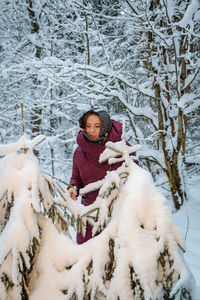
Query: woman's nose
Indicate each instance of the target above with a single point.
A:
(93, 129)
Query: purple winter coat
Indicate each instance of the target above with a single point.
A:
(87, 169)
(86, 166)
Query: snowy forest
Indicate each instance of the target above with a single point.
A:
(140, 60)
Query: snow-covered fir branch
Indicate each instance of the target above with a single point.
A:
(136, 251)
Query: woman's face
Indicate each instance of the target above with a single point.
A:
(93, 126)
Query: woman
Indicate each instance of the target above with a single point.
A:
(97, 129)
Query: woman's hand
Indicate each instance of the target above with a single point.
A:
(73, 193)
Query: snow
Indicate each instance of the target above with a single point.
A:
(22, 143)
(141, 227)
(188, 221)
(170, 8)
(188, 16)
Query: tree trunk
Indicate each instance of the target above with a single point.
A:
(171, 159)
(36, 111)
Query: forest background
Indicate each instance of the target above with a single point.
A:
(138, 59)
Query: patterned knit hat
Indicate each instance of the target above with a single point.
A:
(106, 124)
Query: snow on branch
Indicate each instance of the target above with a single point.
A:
(23, 195)
(21, 144)
(140, 242)
(115, 150)
(136, 248)
(188, 16)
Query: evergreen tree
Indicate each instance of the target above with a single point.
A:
(136, 251)
(24, 194)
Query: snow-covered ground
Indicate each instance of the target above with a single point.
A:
(188, 221)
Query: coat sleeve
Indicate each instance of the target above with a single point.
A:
(76, 177)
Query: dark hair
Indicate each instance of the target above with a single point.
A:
(106, 124)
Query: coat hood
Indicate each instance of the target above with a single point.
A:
(94, 149)
(106, 124)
